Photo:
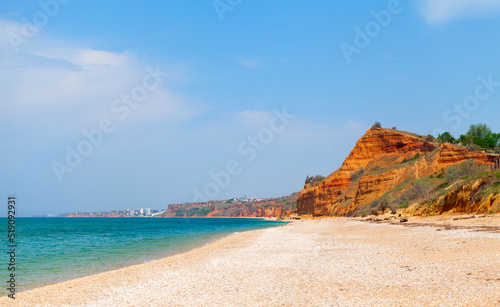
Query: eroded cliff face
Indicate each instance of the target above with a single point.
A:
(453, 154)
(469, 198)
(242, 210)
(270, 207)
(379, 162)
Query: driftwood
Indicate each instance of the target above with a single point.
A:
(469, 217)
(464, 218)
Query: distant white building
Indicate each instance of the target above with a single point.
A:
(147, 212)
(141, 211)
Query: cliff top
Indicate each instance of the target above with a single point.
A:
(383, 168)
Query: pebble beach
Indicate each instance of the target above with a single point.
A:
(323, 262)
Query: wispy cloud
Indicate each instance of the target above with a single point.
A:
(441, 11)
(250, 62)
(253, 118)
(74, 87)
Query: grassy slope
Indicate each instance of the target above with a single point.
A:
(426, 190)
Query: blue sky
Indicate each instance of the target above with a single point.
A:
(231, 65)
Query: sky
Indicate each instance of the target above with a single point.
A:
(139, 104)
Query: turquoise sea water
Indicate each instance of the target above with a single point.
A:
(51, 250)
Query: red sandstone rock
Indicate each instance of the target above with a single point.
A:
(381, 153)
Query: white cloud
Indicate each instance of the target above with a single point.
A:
(352, 125)
(441, 11)
(89, 57)
(65, 89)
(6, 28)
(253, 118)
(250, 63)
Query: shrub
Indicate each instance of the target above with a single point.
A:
(357, 174)
(374, 204)
(315, 179)
(429, 138)
(416, 191)
(467, 168)
(379, 205)
(473, 147)
(384, 204)
(442, 186)
(377, 124)
(415, 157)
(430, 156)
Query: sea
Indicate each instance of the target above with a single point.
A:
(51, 250)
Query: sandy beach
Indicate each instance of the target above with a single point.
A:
(324, 262)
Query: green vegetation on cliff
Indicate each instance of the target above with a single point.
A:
(478, 136)
(271, 207)
(392, 170)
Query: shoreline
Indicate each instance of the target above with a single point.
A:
(56, 276)
(333, 261)
(138, 261)
(109, 274)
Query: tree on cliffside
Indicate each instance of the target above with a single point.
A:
(446, 137)
(377, 124)
(477, 137)
(482, 136)
(478, 131)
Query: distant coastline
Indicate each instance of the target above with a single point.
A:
(277, 207)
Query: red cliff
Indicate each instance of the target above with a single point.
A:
(381, 160)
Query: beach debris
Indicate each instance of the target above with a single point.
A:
(464, 218)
